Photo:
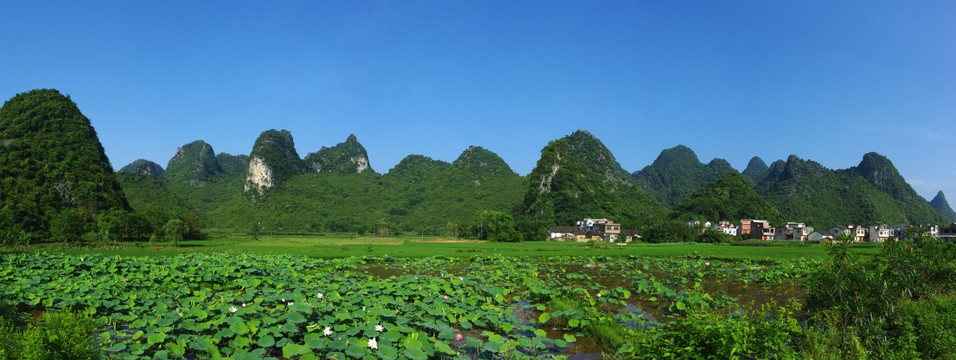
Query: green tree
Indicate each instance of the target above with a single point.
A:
(501, 227)
(69, 225)
(175, 230)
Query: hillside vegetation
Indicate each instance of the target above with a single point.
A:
(55, 178)
(58, 185)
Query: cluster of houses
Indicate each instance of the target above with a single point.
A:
(606, 230)
(879, 232)
(594, 230)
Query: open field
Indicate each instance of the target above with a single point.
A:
(414, 247)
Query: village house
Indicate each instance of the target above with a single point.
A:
(899, 230)
(857, 232)
(761, 229)
(593, 230)
(561, 232)
(726, 227)
(880, 232)
(820, 236)
(744, 227)
(600, 228)
(793, 231)
(948, 233)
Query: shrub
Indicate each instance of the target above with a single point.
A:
(61, 335)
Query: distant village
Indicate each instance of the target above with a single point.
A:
(609, 231)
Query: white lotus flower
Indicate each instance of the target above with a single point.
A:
(372, 343)
(379, 328)
(327, 331)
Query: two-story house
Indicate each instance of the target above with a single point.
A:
(880, 232)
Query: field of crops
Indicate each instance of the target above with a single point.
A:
(244, 306)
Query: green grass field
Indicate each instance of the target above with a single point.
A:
(413, 247)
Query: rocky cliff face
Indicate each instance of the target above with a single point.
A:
(259, 175)
(273, 160)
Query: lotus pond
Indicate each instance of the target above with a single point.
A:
(245, 306)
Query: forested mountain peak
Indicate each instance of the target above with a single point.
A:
(796, 167)
(273, 160)
(233, 164)
(677, 173)
(482, 162)
(592, 154)
(145, 167)
(942, 206)
(576, 178)
(347, 157)
(776, 168)
(52, 165)
(756, 170)
(731, 198)
(194, 164)
(879, 171)
(804, 190)
(417, 165)
(677, 155)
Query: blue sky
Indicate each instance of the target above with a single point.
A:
(824, 80)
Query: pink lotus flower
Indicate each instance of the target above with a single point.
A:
(126, 280)
(458, 337)
(159, 248)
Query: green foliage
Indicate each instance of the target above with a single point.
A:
(123, 225)
(756, 170)
(348, 157)
(731, 197)
(871, 192)
(175, 230)
(57, 335)
(143, 167)
(670, 231)
(500, 226)
(194, 165)
(677, 173)
(51, 160)
(886, 304)
(711, 334)
(577, 177)
(69, 225)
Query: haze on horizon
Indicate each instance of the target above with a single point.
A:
(824, 81)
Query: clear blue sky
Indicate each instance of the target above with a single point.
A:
(825, 80)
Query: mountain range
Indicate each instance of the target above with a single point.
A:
(335, 188)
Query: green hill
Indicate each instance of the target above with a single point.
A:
(677, 173)
(53, 170)
(942, 207)
(233, 165)
(143, 166)
(577, 177)
(756, 170)
(194, 164)
(871, 192)
(348, 157)
(731, 197)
